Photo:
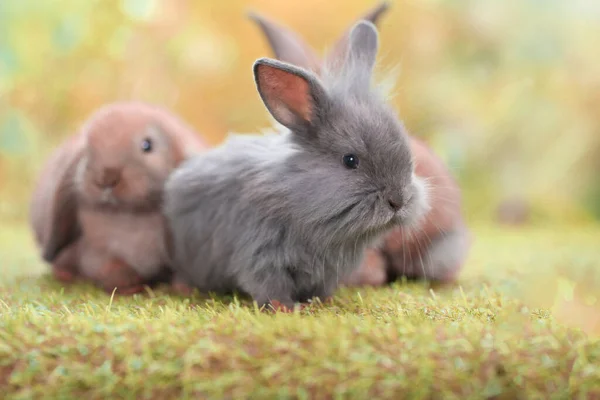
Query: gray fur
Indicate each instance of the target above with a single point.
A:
(279, 216)
(361, 54)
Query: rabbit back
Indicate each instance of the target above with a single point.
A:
(205, 205)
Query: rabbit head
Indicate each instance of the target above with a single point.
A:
(128, 155)
(353, 162)
(128, 150)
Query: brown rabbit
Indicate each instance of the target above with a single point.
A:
(96, 209)
(437, 249)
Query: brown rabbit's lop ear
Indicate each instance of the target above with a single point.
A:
(63, 227)
(287, 45)
(337, 55)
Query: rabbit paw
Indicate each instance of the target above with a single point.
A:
(64, 267)
(63, 274)
(182, 288)
(116, 274)
(277, 306)
(328, 300)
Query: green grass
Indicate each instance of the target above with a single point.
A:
(521, 323)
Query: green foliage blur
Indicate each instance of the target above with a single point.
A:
(507, 92)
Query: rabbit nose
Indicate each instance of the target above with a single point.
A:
(395, 201)
(109, 177)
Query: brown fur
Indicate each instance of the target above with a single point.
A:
(113, 236)
(402, 252)
(373, 271)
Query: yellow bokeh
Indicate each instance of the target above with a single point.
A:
(506, 92)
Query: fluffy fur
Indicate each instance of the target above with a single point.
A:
(282, 217)
(437, 247)
(96, 211)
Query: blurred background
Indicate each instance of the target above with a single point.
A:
(507, 92)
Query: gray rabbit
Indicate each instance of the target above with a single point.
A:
(285, 217)
(437, 248)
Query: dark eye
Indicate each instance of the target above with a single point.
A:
(350, 161)
(146, 145)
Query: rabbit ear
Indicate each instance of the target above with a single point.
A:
(287, 45)
(290, 48)
(63, 227)
(363, 45)
(362, 52)
(337, 56)
(292, 95)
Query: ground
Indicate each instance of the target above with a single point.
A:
(522, 322)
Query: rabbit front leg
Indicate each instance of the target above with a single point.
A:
(181, 286)
(270, 287)
(107, 271)
(372, 271)
(323, 289)
(64, 267)
(117, 274)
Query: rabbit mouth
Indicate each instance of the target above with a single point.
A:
(404, 217)
(107, 197)
(393, 220)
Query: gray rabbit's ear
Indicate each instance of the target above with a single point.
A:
(292, 95)
(363, 46)
(287, 45)
(337, 55)
(362, 53)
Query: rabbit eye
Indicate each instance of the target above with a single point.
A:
(146, 145)
(350, 161)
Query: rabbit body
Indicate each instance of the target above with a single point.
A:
(435, 249)
(286, 217)
(119, 237)
(96, 210)
(254, 241)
